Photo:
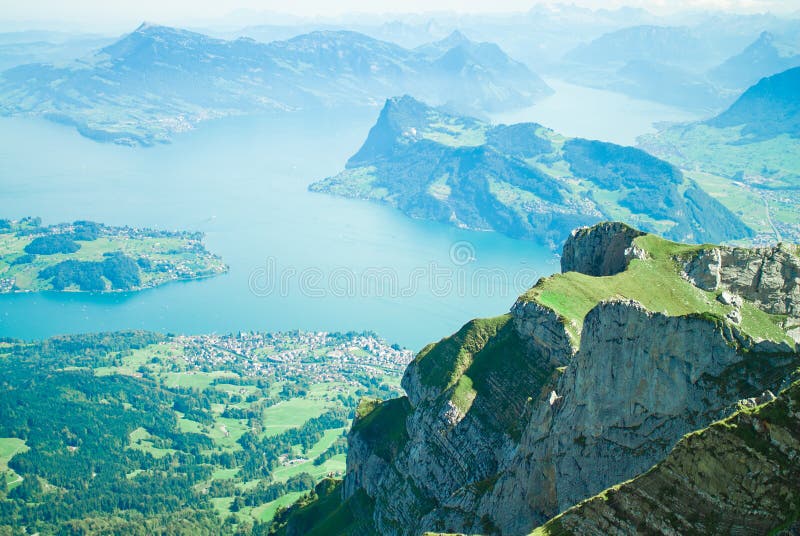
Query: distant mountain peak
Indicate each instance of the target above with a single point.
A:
(403, 101)
(149, 39)
(768, 108)
(149, 28)
(455, 39)
(338, 36)
(145, 26)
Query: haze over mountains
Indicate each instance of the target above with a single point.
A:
(767, 55)
(693, 67)
(157, 80)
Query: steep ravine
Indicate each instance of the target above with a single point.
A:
(592, 379)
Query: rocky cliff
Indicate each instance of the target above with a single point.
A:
(592, 379)
(738, 476)
(769, 277)
(604, 249)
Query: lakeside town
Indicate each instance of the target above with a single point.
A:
(316, 356)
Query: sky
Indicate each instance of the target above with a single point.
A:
(114, 12)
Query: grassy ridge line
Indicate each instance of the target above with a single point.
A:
(656, 283)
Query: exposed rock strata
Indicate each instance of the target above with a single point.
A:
(739, 476)
(604, 249)
(769, 277)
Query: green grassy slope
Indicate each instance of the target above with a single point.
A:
(656, 283)
(522, 180)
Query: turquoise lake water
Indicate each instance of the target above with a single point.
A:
(298, 260)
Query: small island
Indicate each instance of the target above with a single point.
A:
(85, 256)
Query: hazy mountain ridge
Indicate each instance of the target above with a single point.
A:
(768, 109)
(19, 48)
(514, 419)
(522, 180)
(157, 80)
(767, 55)
(700, 67)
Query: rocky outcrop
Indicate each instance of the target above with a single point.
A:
(640, 381)
(456, 437)
(543, 331)
(768, 277)
(514, 419)
(739, 476)
(604, 249)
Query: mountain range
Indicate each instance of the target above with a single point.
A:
(649, 388)
(748, 155)
(700, 68)
(157, 80)
(522, 180)
(767, 55)
(19, 48)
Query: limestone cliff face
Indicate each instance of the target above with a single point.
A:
(739, 476)
(604, 249)
(543, 332)
(514, 419)
(769, 277)
(640, 381)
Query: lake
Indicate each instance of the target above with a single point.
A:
(298, 260)
(596, 114)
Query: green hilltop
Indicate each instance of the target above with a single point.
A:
(522, 180)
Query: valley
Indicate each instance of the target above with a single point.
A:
(748, 156)
(251, 419)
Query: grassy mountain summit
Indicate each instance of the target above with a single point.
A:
(158, 81)
(593, 378)
(522, 180)
(748, 156)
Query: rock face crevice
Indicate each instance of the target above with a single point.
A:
(511, 421)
